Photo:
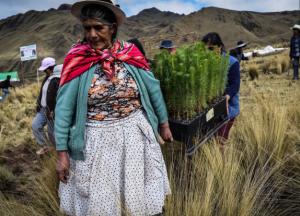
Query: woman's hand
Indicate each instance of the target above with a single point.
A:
(63, 166)
(165, 132)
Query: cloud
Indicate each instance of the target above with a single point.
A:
(131, 7)
(177, 6)
(254, 5)
(12, 7)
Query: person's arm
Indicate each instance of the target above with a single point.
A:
(157, 100)
(156, 97)
(64, 112)
(51, 94)
(65, 109)
(244, 58)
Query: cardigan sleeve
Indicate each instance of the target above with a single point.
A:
(156, 97)
(65, 110)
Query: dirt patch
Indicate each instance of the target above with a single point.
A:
(21, 165)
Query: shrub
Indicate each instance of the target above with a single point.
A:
(253, 73)
(266, 67)
(284, 66)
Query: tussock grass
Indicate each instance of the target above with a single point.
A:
(274, 64)
(259, 173)
(251, 178)
(266, 67)
(16, 114)
(253, 73)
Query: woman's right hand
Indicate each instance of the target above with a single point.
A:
(63, 166)
(165, 132)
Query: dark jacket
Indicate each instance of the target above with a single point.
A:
(5, 84)
(233, 81)
(51, 94)
(295, 47)
(238, 55)
(233, 87)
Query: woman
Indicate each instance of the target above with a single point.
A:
(110, 115)
(214, 42)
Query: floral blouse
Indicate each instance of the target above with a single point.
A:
(115, 98)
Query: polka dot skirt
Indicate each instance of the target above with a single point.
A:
(123, 172)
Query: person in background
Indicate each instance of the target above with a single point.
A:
(214, 42)
(110, 117)
(295, 50)
(5, 85)
(138, 44)
(238, 53)
(45, 106)
(168, 45)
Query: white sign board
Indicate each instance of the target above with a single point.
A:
(28, 52)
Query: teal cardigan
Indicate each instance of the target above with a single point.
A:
(71, 108)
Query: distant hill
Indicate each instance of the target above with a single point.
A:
(55, 30)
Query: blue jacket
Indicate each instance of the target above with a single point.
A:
(295, 47)
(233, 87)
(71, 108)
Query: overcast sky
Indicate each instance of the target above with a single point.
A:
(132, 7)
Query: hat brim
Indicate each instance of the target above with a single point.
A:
(42, 68)
(164, 47)
(242, 45)
(295, 28)
(120, 15)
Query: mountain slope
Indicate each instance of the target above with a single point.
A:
(54, 31)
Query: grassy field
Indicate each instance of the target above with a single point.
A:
(259, 173)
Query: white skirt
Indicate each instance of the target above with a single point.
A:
(123, 173)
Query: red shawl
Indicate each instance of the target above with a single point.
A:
(82, 56)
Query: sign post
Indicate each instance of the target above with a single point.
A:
(27, 53)
(37, 77)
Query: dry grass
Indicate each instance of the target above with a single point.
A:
(272, 64)
(251, 179)
(41, 196)
(253, 73)
(259, 174)
(16, 114)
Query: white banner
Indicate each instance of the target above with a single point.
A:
(28, 52)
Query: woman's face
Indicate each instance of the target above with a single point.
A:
(213, 48)
(98, 34)
(296, 32)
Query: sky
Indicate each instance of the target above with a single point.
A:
(132, 7)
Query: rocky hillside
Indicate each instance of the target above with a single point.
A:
(55, 30)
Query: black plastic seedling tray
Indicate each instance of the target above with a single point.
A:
(196, 132)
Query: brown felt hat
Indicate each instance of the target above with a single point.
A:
(119, 14)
